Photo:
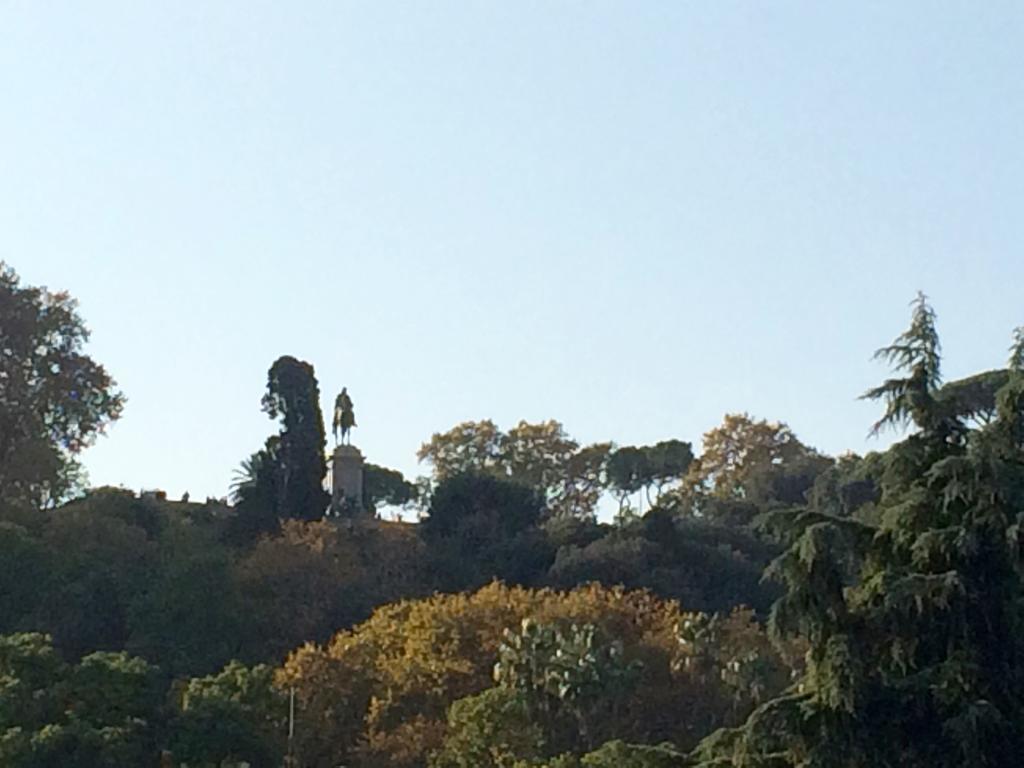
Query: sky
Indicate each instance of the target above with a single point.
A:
(633, 217)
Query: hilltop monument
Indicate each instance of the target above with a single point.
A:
(346, 463)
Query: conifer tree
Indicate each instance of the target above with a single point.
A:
(1017, 350)
(917, 353)
(915, 660)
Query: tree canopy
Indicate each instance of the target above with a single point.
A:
(54, 398)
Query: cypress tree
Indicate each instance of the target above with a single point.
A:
(293, 396)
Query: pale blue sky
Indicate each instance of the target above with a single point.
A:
(629, 216)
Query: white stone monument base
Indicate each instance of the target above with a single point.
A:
(347, 481)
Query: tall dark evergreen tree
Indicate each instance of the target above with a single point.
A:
(916, 660)
(293, 397)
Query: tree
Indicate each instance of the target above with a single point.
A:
(255, 493)
(235, 715)
(54, 399)
(301, 586)
(973, 398)
(703, 565)
(481, 508)
(188, 618)
(381, 694)
(669, 460)
(916, 661)
(473, 446)
(293, 396)
(558, 687)
(540, 456)
(851, 486)
(912, 398)
(632, 469)
(100, 564)
(628, 471)
(1016, 362)
(101, 713)
(568, 671)
(536, 454)
(582, 483)
(107, 686)
(385, 487)
(115, 699)
(24, 577)
(480, 527)
(742, 454)
(492, 729)
(732, 650)
(29, 671)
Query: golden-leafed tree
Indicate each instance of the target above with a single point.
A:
(379, 695)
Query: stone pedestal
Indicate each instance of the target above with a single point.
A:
(346, 481)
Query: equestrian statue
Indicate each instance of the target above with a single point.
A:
(344, 417)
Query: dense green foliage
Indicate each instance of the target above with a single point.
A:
(101, 713)
(233, 716)
(54, 399)
(509, 628)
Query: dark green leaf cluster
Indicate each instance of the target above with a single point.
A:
(101, 713)
(112, 710)
(233, 716)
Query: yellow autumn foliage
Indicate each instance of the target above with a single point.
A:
(378, 695)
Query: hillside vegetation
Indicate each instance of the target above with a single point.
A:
(756, 604)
